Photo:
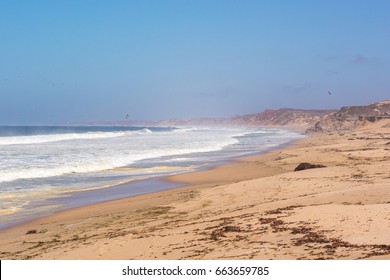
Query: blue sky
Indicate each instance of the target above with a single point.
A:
(66, 61)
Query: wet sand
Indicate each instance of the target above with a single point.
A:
(255, 208)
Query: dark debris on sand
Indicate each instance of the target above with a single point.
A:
(306, 165)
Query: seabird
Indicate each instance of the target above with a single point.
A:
(329, 93)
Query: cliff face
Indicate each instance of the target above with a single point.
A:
(272, 118)
(346, 118)
(282, 117)
(351, 117)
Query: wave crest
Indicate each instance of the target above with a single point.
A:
(47, 138)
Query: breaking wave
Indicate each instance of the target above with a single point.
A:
(39, 139)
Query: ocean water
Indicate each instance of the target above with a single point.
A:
(48, 168)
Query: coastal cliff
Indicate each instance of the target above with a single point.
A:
(285, 117)
(351, 117)
(282, 117)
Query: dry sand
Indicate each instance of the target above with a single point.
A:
(256, 208)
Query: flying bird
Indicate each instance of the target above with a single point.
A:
(329, 93)
(127, 116)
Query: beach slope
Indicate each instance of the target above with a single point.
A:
(254, 208)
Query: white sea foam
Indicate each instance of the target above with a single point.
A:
(74, 153)
(47, 138)
(82, 156)
(145, 130)
(39, 167)
(185, 129)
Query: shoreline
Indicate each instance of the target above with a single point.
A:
(151, 180)
(122, 190)
(117, 191)
(254, 208)
(80, 198)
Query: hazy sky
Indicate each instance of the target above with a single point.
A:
(99, 60)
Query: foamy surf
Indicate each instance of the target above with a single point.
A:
(40, 139)
(40, 164)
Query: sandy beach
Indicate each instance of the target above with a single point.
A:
(255, 208)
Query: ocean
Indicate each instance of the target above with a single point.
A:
(44, 169)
